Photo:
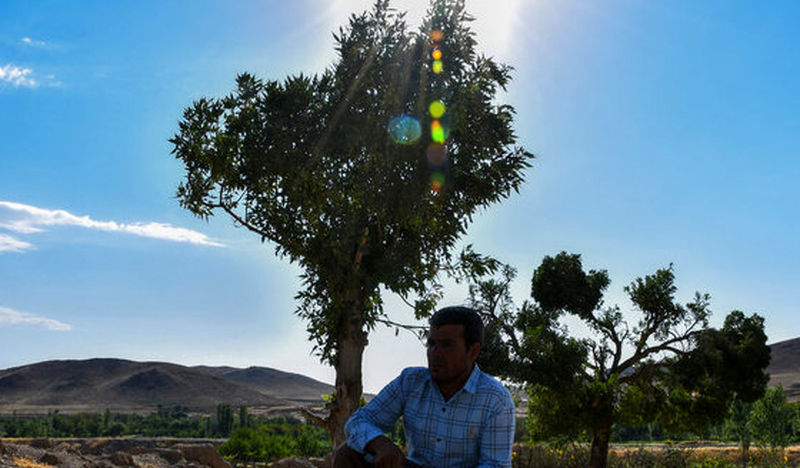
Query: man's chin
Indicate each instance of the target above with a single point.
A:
(437, 375)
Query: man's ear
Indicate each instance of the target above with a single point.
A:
(474, 351)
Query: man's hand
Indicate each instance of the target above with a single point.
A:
(387, 454)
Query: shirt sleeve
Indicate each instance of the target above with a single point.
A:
(377, 417)
(497, 437)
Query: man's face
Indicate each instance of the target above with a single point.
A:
(449, 360)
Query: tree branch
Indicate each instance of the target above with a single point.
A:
(665, 346)
(241, 221)
(420, 329)
(360, 250)
(323, 423)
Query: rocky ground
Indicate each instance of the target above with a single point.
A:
(110, 453)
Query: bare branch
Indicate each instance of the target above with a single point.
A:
(416, 330)
(323, 423)
(241, 221)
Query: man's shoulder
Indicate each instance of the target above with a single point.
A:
(415, 373)
(494, 389)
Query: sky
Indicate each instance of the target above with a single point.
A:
(665, 132)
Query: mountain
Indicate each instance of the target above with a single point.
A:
(784, 367)
(128, 386)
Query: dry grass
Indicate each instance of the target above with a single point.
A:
(654, 456)
(27, 463)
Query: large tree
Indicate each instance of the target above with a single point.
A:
(347, 175)
(670, 367)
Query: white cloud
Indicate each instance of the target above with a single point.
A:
(33, 42)
(10, 244)
(26, 219)
(15, 317)
(16, 76)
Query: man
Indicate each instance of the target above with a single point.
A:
(454, 415)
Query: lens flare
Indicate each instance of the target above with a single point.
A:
(437, 35)
(436, 109)
(437, 182)
(436, 54)
(437, 132)
(437, 154)
(438, 67)
(404, 129)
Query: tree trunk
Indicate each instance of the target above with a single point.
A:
(348, 379)
(348, 386)
(745, 452)
(598, 458)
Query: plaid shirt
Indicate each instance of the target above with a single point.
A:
(475, 428)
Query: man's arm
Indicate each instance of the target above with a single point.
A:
(376, 418)
(497, 438)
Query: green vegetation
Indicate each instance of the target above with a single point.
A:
(307, 164)
(275, 440)
(173, 422)
(167, 422)
(259, 439)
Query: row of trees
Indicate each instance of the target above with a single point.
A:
(174, 421)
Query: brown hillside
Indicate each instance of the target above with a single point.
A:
(279, 384)
(120, 385)
(784, 367)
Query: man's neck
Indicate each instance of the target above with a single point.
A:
(451, 388)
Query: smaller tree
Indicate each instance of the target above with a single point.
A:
(737, 426)
(772, 419)
(669, 367)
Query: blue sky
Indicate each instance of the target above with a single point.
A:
(665, 132)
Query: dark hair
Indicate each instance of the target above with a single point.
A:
(459, 315)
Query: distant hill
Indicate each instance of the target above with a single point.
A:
(784, 367)
(278, 384)
(96, 384)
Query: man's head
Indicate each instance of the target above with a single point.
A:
(454, 342)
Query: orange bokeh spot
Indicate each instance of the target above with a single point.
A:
(437, 182)
(437, 35)
(436, 54)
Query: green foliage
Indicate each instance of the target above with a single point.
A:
(279, 439)
(244, 418)
(307, 164)
(398, 434)
(224, 420)
(175, 422)
(725, 365)
(306, 439)
(737, 425)
(669, 368)
(772, 419)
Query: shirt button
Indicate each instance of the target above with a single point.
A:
(444, 409)
(438, 439)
